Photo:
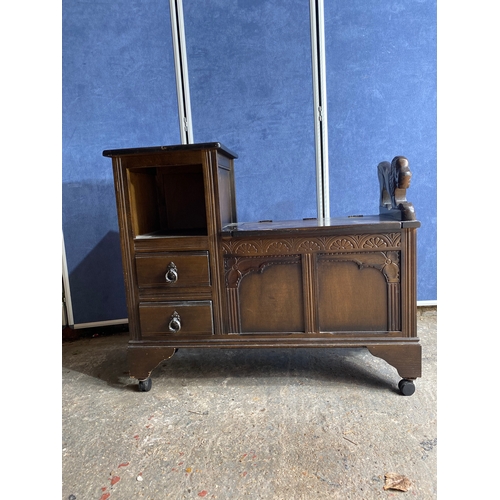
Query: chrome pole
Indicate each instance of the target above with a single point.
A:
(181, 71)
(320, 106)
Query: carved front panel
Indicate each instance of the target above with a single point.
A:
(359, 291)
(271, 300)
(264, 294)
(314, 285)
(351, 299)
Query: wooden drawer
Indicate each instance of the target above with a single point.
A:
(176, 318)
(172, 270)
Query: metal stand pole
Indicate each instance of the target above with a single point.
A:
(320, 106)
(181, 71)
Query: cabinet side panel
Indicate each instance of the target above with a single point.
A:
(126, 234)
(409, 283)
(226, 201)
(143, 200)
(351, 299)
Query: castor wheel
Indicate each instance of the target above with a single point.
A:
(406, 387)
(145, 385)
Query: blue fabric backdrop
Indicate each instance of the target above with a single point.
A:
(381, 78)
(118, 91)
(251, 89)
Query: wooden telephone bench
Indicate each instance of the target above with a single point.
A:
(195, 277)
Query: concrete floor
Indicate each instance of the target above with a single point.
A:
(235, 424)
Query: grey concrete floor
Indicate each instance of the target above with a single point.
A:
(235, 424)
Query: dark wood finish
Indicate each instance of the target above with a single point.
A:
(196, 277)
(172, 270)
(358, 297)
(142, 359)
(171, 148)
(394, 179)
(176, 318)
(350, 282)
(270, 296)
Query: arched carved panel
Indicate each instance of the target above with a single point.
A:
(262, 298)
(354, 296)
(236, 268)
(386, 262)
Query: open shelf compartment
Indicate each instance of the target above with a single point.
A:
(167, 201)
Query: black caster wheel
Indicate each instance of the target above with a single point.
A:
(145, 385)
(406, 387)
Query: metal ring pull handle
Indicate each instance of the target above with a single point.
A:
(174, 324)
(171, 275)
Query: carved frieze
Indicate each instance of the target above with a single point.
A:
(292, 246)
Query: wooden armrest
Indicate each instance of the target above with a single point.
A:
(395, 178)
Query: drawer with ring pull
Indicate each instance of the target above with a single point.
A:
(192, 317)
(172, 270)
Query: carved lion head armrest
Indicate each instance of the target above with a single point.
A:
(394, 180)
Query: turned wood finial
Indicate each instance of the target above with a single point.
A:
(394, 179)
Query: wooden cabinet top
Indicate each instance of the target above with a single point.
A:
(298, 227)
(179, 147)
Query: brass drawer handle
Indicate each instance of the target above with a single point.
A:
(175, 322)
(171, 275)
